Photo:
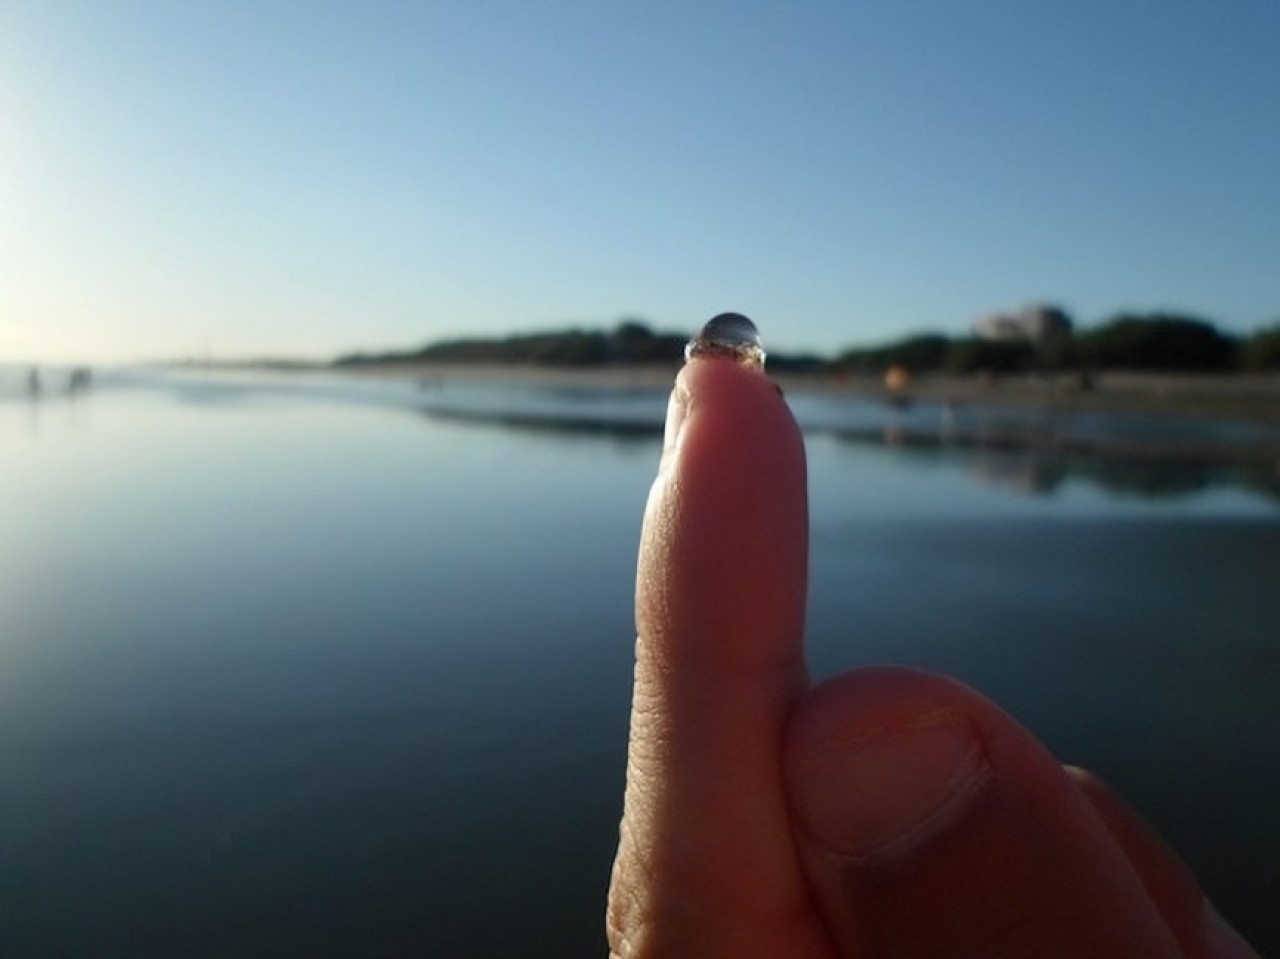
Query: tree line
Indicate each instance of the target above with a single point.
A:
(630, 342)
(1154, 342)
(1151, 341)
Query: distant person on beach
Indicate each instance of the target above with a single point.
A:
(81, 379)
(887, 812)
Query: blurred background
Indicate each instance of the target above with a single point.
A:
(334, 350)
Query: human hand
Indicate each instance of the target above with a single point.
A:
(887, 812)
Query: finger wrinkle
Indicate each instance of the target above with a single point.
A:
(850, 737)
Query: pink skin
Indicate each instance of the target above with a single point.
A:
(887, 812)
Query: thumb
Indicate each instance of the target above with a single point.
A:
(930, 823)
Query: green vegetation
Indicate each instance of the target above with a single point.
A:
(1262, 350)
(629, 342)
(935, 353)
(1142, 342)
(1162, 342)
(1157, 342)
(923, 351)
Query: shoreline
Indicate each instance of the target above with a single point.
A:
(1022, 415)
(1135, 421)
(1248, 398)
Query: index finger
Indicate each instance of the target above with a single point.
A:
(706, 851)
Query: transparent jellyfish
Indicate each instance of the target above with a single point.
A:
(730, 336)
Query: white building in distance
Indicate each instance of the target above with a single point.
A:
(1036, 323)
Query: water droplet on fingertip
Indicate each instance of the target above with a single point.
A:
(729, 336)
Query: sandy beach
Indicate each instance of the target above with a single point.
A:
(1238, 397)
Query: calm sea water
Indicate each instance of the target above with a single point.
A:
(320, 668)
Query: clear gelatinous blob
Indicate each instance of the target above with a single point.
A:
(731, 336)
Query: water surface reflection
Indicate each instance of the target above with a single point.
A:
(320, 668)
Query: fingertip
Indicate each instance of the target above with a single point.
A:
(724, 553)
(880, 759)
(931, 823)
(1221, 940)
(740, 405)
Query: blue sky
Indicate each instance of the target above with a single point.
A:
(246, 178)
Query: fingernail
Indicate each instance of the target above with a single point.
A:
(677, 409)
(885, 793)
(1223, 941)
